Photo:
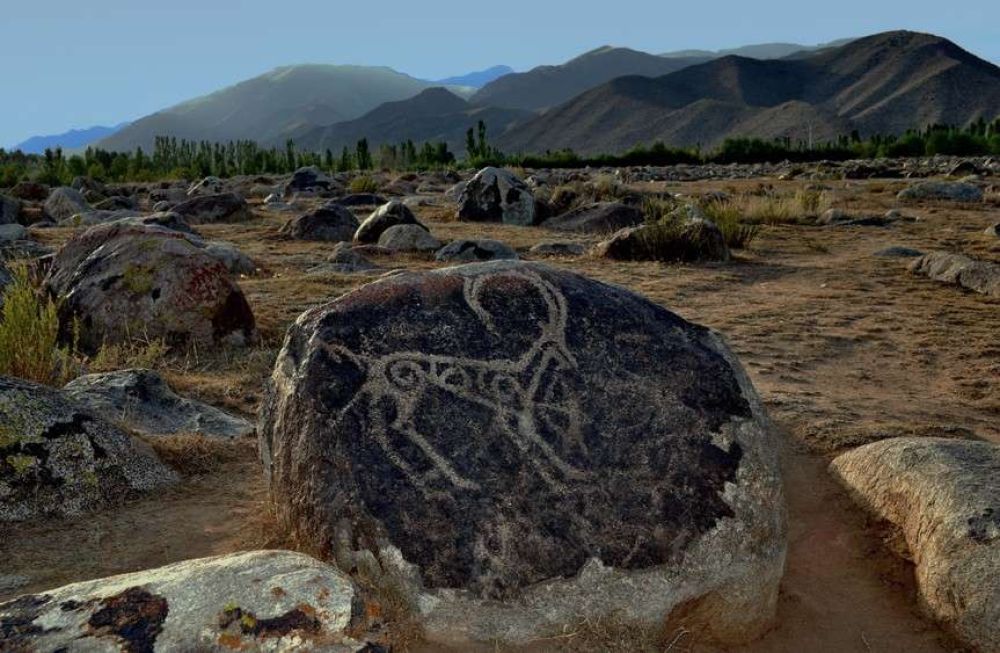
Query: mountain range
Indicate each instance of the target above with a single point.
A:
(884, 84)
(606, 100)
(73, 139)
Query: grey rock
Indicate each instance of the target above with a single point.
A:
(142, 401)
(91, 217)
(63, 203)
(554, 449)
(10, 210)
(116, 203)
(162, 206)
(557, 248)
(346, 260)
(684, 236)
(944, 496)
(993, 230)
(308, 180)
(231, 257)
(210, 209)
(978, 276)
(360, 199)
(120, 279)
(207, 186)
(388, 215)
(253, 601)
(329, 223)
(497, 195)
(471, 251)
(9, 232)
(30, 191)
(59, 459)
(954, 191)
(408, 238)
(598, 218)
(454, 193)
(165, 219)
(11, 582)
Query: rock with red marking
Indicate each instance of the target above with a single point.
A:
(124, 280)
(256, 601)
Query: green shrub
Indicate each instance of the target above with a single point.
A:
(728, 216)
(29, 334)
(363, 184)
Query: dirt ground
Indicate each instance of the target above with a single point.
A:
(845, 348)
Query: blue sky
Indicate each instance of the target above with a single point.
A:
(81, 63)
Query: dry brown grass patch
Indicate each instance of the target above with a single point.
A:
(193, 454)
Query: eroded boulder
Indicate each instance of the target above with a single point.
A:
(944, 497)
(124, 280)
(10, 210)
(388, 215)
(978, 276)
(254, 601)
(497, 195)
(408, 238)
(211, 209)
(59, 459)
(554, 449)
(599, 218)
(328, 223)
(143, 401)
(954, 191)
(63, 203)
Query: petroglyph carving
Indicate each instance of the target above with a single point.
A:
(526, 396)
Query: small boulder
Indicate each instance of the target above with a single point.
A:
(10, 210)
(408, 238)
(497, 195)
(360, 199)
(207, 186)
(328, 223)
(252, 601)
(953, 191)
(306, 181)
(30, 191)
(59, 459)
(345, 259)
(388, 215)
(598, 218)
(143, 402)
(897, 251)
(162, 206)
(165, 219)
(471, 251)
(978, 276)
(116, 203)
(9, 232)
(210, 209)
(120, 279)
(63, 203)
(688, 239)
(557, 248)
(590, 453)
(92, 217)
(944, 497)
(231, 256)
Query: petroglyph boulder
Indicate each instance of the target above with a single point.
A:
(257, 601)
(497, 195)
(57, 458)
(548, 448)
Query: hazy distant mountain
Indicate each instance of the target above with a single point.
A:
(434, 115)
(477, 79)
(884, 83)
(269, 107)
(758, 51)
(548, 86)
(74, 139)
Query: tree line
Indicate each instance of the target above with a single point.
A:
(174, 158)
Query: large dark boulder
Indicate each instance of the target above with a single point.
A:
(210, 209)
(388, 215)
(598, 218)
(497, 195)
(124, 280)
(58, 459)
(954, 191)
(63, 203)
(328, 223)
(555, 448)
(308, 180)
(10, 210)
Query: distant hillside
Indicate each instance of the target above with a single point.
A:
(74, 139)
(477, 79)
(758, 51)
(269, 107)
(884, 84)
(434, 115)
(548, 86)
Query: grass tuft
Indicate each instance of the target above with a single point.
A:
(363, 184)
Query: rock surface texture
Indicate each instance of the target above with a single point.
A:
(552, 449)
(598, 218)
(211, 209)
(388, 215)
(978, 276)
(126, 280)
(328, 223)
(944, 496)
(955, 191)
(143, 401)
(471, 251)
(59, 459)
(497, 195)
(257, 601)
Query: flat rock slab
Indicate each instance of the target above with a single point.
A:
(955, 191)
(550, 449)
(944, 495)
(978, 276)
(257, 601)
(58, 459)
(143, 401)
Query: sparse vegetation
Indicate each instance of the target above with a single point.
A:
(29, 334)
(140, 352)
(363, 184)
(728, 216)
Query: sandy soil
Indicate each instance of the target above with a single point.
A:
(845, 348)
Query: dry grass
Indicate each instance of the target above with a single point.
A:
(145, 352)
(193, 454)
(363, 184)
